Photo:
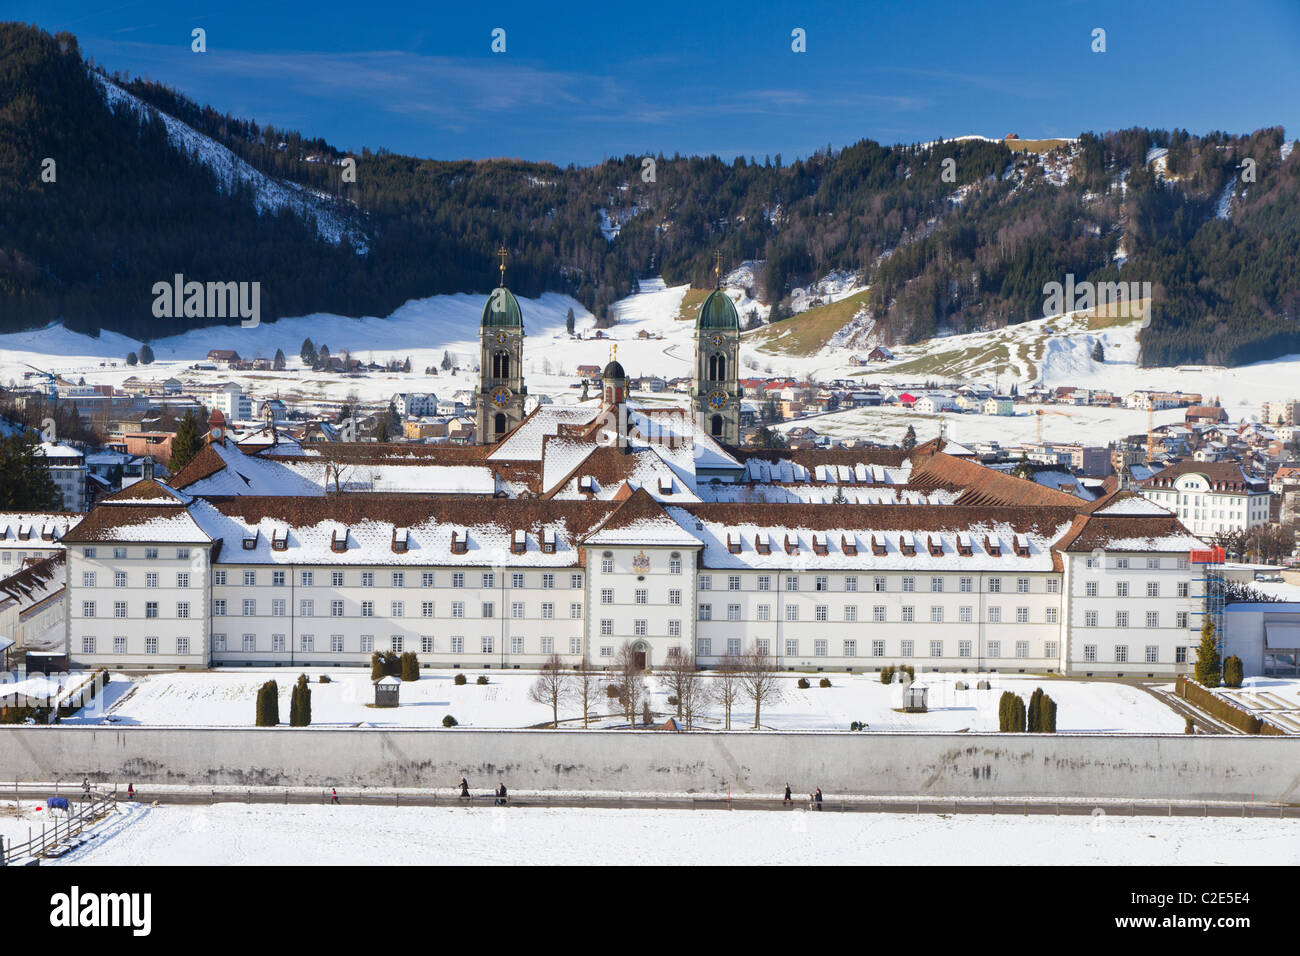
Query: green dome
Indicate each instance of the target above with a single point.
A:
(502, 310)
(718, 313)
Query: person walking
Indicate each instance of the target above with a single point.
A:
(334, 795)
(130, 791)
(789, 800)
(85, 788)
(464, 789)
(817, 797)
(500, 800)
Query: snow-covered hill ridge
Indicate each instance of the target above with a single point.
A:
(269, 194)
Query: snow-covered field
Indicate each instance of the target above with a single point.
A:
(226, 698)
(233, 834)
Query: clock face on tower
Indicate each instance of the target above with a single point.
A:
(501, 397)
(501, 338)
(717, 398)
(718, 341)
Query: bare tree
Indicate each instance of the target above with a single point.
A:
(682, 678)
(631, 681)
(725, 688)
(759, 680)
(587, 689)
(551, 687)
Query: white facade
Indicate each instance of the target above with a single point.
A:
(68, 469)
(1206, 507)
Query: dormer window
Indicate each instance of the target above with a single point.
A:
(935, 547)
(878, 547)
(762, 543)
(733, 543)
(1021, 543)
(250, 542)
(820, 546)
(665, 485)
(548, 541)
(993, 546)
(964, 544)
(519, 543)
(907, 544)
(339, 540)
(791, 547)
(459, 542)
(401, 540)
(587, 485)
(849, 545)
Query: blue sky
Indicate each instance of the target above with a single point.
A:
(582, 81)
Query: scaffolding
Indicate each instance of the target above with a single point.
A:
(1210, 564)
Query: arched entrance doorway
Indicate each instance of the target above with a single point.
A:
(641, 655)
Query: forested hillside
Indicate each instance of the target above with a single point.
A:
(967, 250)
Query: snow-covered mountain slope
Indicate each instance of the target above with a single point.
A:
(269, 194)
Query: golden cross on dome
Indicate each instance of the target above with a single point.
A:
(613, 352)
(503, 253)
(717, 267)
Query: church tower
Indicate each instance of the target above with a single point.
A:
(715, 394)
(499, 401)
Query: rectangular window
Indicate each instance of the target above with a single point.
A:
(182, 609)
(219, 607)
(575, 610)
(674, 565)
(792, 612)
(1121, 653)
(336, 578)
(151, 554)
(151, 645)
(639, 627)
(791, 583)
(87, 552)
(87, 579)
(575, 581)
(489, 579)
(277, 607)
(642, 596)
(183, 579)
(995, 615)
(457, 608)
(1182, 618)
(1180, 655)
(936, 648)
(765, 612)
(791, 647)
(151, 579)
(250, 643)
(733, 582)
(548, 610)
(995, 585)
(909, 584)
(119, 579)
(277, 579)
(909, 614)
(851, 613)
(219, 578)
(307, 578)
(336, 608)
(606, 565)
(306, 607)
(489, 609)
(675, 596)
(150, 608)
(877, 648)
(821, 612)
(706, 612)
(963, 648)
(1022, 585)
(458, 579)
(87, 645)
(1090, 653)
(733, 612)
(182, 554)
(1022, 615)
(1052, 615)
(995, 648)
(1090, 589)
(367, 608)
(307, 642)
(426, 609)
(606, 595)
(1121, 589)
(397, 609)
(548, 581)
(878, 584)
(119, 552)
(1053, 586)
(1153, 589)
(1089, 618)
(277, 643)
(606, 627)
(821, 582)
(850, 648)
(1152, 654)
(1153, 618)
(250, 579)
(336, 644)
(517, 645)
(399, 579)
(368, 643)
(674, 628)
(1022, 648)
(936, 585)
(1121, 618)
(1121, 563)
(1049, 649)
(1184, 588)
(936, 614)
(907, 648)
(878, 613)
(819, 647)
(516, 609)
(851, 582)
(964, 614)
(426, 579)
(967, 585)
(706, 582)
(486, 644)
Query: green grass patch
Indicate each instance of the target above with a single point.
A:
(1034, 145)
(691, 303)
(809, 332)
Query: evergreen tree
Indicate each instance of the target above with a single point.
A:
(909, 439)
(1098, 353)
(406, 366)
(323, 354)
(569, 321)
(295, 698)
(278, 363)
(146, 354)
(1208, 668)
(300, 703)
(1233, 671)
(132, 359)
(308, 352)
(447, 364)
(1047, 717)
(376, 666)
(268, 705)
(1034, 720)
(410, 667)
(1024, 468)
(25, 480)
(187, 443)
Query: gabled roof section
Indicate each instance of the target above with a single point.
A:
(149, 492)
(640, 520)
(1128, 533)
(984, 486)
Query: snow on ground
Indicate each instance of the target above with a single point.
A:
(233, 834)
(226, 698)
